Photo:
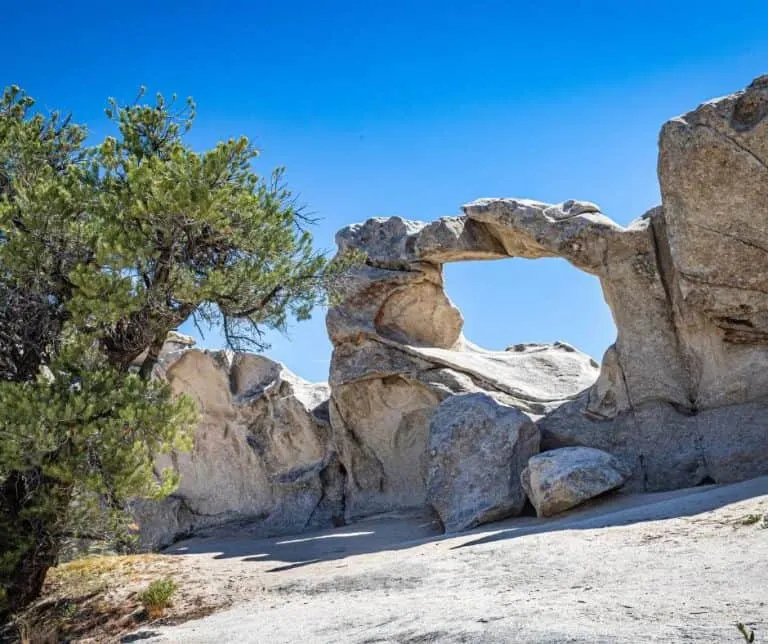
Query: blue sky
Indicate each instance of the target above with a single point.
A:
(413, 108)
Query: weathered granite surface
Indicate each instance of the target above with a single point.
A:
(560, 479)
(263, 452)
(478, 449)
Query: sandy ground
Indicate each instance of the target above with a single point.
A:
(672, 567)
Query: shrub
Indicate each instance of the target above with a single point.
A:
(157, 597)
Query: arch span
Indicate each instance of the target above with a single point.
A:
(398, 297)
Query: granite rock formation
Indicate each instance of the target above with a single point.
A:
(478, 449)
(415, 414)
(399, 352)
(681, 396)
(263, 452)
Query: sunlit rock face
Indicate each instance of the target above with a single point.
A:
(399, 352)
(560, 479)
(714, 184)
(478, 450)
(710, 242)
(263, 451)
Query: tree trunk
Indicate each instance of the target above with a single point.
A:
(33, 508)
(153, 355)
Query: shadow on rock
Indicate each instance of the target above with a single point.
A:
(385, 532)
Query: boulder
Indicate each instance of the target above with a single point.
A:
(477, 451)
(384, 396)
(263, 452)
(561, 479)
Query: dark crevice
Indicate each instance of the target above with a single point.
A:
(644, 469)
(737, 322)
(624, 379)
(683, 410)
(528, 509)
(362, 450)
(734, 336)
(697, 279)
(343, 500)
(333, 481)
(714, 231)
(667, 275)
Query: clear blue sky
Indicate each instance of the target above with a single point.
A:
(413, 108)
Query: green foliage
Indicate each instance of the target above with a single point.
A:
(104, 426)
(157, 596)
(103, 251)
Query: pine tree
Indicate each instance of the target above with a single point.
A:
(103, 251)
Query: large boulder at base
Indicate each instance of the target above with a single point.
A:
(561, 479)
(477, 451)
(263, 451)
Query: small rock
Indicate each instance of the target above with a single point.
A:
(563, 478)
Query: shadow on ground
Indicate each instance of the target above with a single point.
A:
(375, 534)
(138, 636)
(400, 531)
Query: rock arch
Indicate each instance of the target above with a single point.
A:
(687, 284)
